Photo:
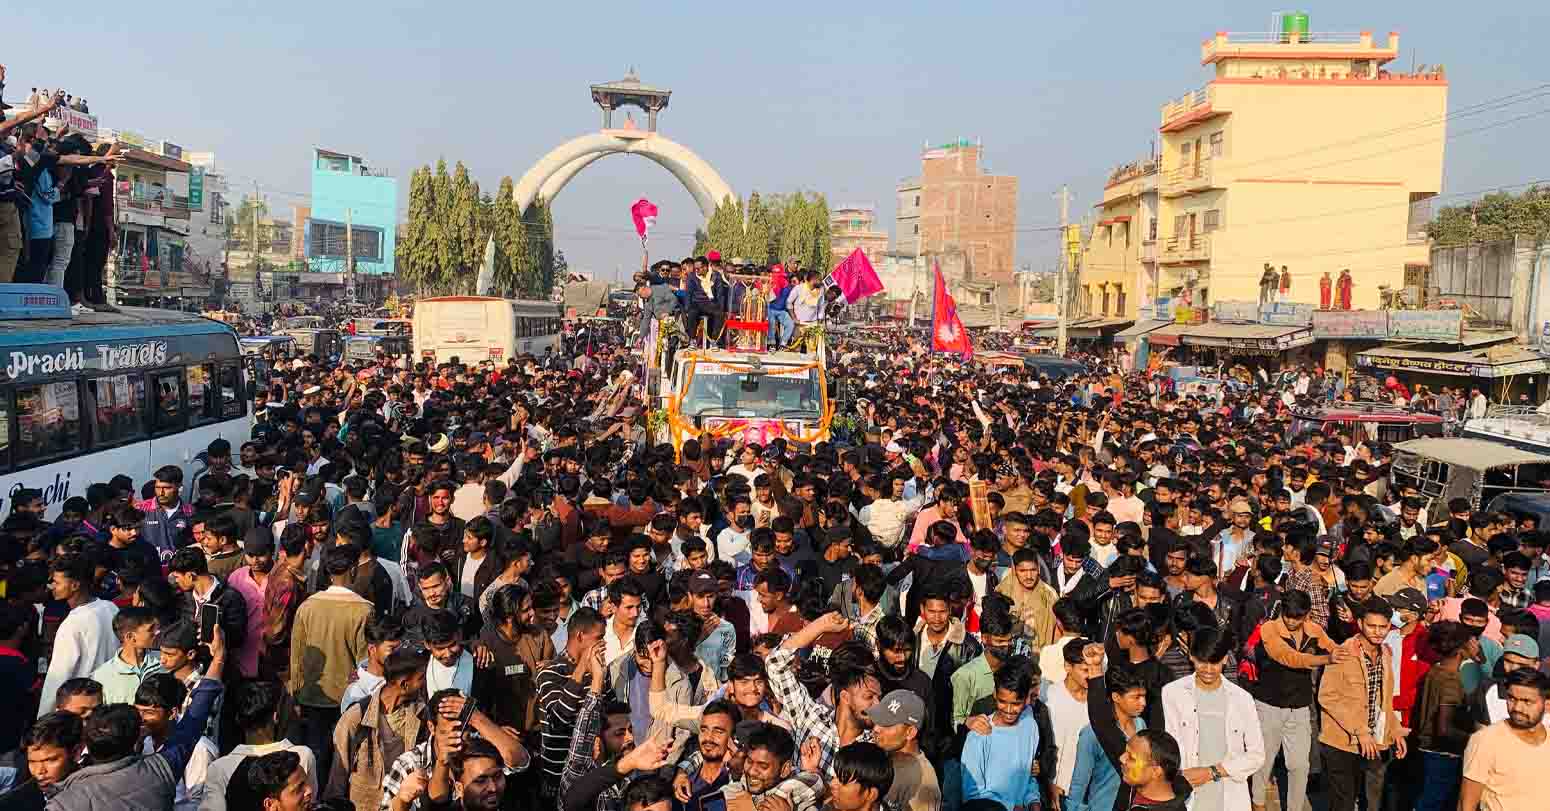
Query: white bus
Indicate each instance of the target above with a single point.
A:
(85, 399)
(477, 328)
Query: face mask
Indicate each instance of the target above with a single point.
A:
(1399, 621)
(745, 522)
(1003, 652)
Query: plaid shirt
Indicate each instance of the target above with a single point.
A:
(595, 598)
(579, 761)
(809, 719)
(1307, 580)
(416, 759)
(803, 790)
(1372, 669)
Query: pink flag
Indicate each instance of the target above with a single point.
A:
(856, 278)
(644, 212)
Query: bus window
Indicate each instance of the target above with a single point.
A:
(119, 402)
(48, 419)
(203, 406)
(5, 430)
(168, 390)
(231, 391)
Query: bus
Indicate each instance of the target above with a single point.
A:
(478, 328)
(87, 398)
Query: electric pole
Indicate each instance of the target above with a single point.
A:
(256, 285)
(349, 255)
(1065, 268)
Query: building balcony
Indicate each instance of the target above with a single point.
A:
(1148, 251)
(1190, 109)
(1186, 248)
(1197, 176)
(156, 201)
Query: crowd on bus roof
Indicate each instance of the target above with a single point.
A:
(56, 202)
(495, 585)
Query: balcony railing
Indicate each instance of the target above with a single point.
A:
(1196, 176)
(1186, 104)
(1148, 252)
(1132, 170)
(1187, 248)
(159, 201)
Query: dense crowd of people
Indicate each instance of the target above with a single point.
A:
(486, 586)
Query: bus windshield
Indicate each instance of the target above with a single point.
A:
(717, 391)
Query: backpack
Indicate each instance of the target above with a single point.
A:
(1248, 666)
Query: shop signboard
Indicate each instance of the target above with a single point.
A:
(1522, 367)
(171, 150)
(1184, 314)
(1164, 308)
(1244, 312)
(1416, 364)
(1427, 325)
(1544, 339)
(196, 189)
(1371, 324)
(1286, 314)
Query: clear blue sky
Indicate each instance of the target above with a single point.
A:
(832, 98)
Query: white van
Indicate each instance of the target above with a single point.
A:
(478, 328)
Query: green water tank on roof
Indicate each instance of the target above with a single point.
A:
(1294, 23)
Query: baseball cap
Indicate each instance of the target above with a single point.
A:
(893, 447)
(714, 256)
(1521, 645)
(702, 583)
(898, 707)
(1408, 600)
(1327, 547)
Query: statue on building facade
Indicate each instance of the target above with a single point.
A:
(1325, 290)
(1343, 290)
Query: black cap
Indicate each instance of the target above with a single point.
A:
(259, 541)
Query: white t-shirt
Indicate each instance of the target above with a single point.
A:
(979, 583)
(460, 676)
(470, 573)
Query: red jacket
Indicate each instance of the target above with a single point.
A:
(1416, 658)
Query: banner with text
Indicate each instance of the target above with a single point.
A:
(1370, 324)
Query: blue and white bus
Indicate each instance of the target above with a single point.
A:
(88, 398)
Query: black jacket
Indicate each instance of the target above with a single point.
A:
(1105, 726)
(234, 612)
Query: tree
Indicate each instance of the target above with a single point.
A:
(463, 223)
(756, 231)
(239, 226)
(442, 231)
(510, 241)
(701, 242)
(822, 257)
(417, 245)
(796, 230)
(538, 255)
(1494, 217)
(725, 228)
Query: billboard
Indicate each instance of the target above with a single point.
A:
(1427, 325)
(1370, 324)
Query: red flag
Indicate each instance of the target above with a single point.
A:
(947, 332)
(644, 212)
(856, 278)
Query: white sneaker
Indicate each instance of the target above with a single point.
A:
(80, 309)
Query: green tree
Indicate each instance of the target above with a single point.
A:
(463, 221)
(821, 259)
(510, 241)
(725, 228)
(417, 245)
(797, 231)
(538, 240)
(756, 231)
(441, 230)
(239, 226)
(701, 242)
(1494, 217)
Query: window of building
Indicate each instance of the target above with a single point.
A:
(1217, 140)
(48, 421)
(1213, 220)
(917, 199)
(915, 228)
(1105, 310)
(1119, 300)
(1124, 233)
(1151, 230)
(1181, 226)
(119, 406)
(1184, 149)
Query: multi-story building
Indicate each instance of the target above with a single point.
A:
(1304, 151)
(1119, 260)
(955, 204)
(355, 205)
(153, 262)
(855, 226)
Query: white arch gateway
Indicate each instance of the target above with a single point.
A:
(550, 174)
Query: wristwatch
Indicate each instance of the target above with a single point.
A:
(1216, 774)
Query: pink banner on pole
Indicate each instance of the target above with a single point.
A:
(644, 213)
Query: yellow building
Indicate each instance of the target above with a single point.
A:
(1118, 275)
(1301, 151)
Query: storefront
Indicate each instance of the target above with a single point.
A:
(1503, 371)
(1253, 346)
(1135, 340)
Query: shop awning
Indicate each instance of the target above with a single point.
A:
(1089, 327)
(1141, 328)
(1484, 362)
(1255, 337)
(1248, 336)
